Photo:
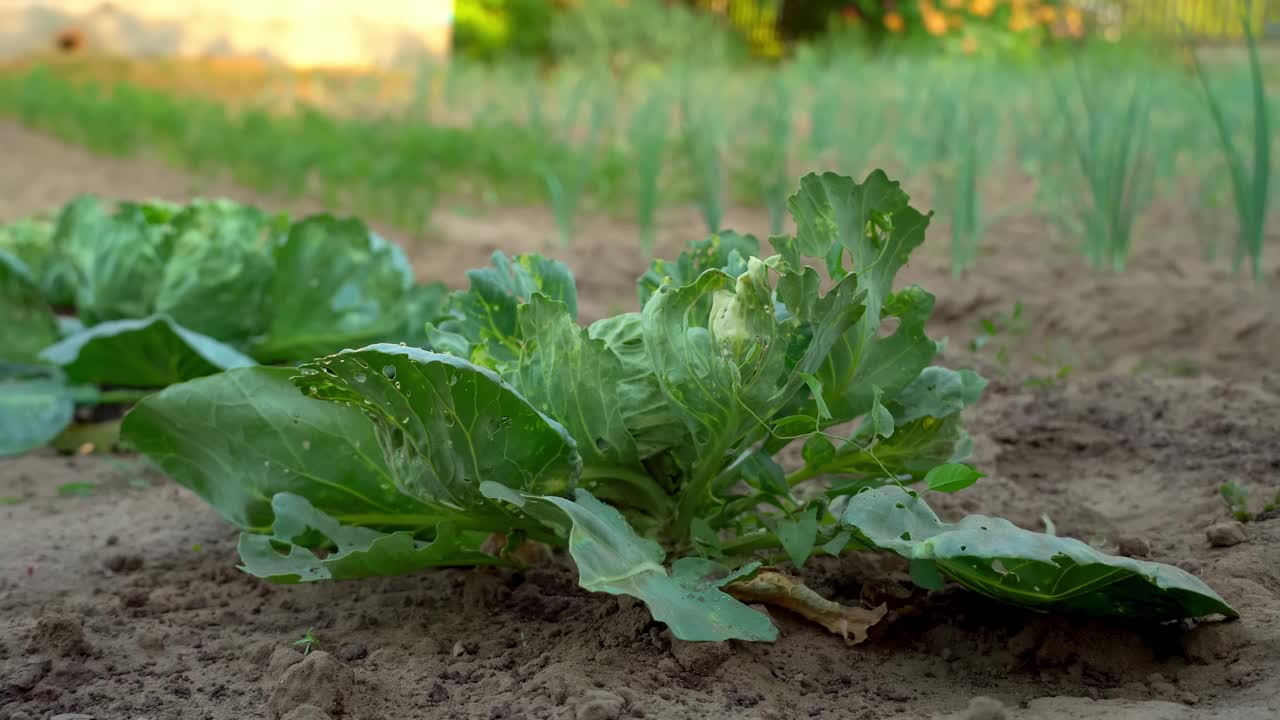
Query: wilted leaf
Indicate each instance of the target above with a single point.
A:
(774, 588)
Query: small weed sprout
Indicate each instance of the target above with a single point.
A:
(1236, 498)
(308, 642)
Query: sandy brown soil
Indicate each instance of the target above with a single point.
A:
(124, 603)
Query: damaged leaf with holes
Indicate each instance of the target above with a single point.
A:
(647, 445)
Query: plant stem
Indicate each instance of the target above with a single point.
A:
(751, 542)
(644, 491)
(693, 493)
(808, 472)
(417, 521)
(124, 396)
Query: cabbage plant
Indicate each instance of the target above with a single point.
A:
(646, 444)
(103, 306)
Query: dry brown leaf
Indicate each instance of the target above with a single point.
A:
(774, 588)
(529, 553)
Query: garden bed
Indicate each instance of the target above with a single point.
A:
(119, 597)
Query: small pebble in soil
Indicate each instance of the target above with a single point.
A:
(984, 708)
(351, 652)
(123, 563)
(1133, 546)
(459, 649)
(599, 705)
(319, 680)
(20, 716)
(1225, 534)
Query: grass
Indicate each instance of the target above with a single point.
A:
(1095, 144)
(647, 135)
(1109, 137)
(1249, 182)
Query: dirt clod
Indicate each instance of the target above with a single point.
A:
(1133, 546)
(437, 694)
(482, 590)
(700, 659)
(307, 712)
(351, 652)
(1226, 534)
(58, 635)
(123, 563)
(984, 708)
(27, 675)
(281, 660)
(599, 705)
(319, 680)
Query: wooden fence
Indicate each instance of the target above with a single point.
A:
(1200, 19)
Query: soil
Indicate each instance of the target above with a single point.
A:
(119, 596)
